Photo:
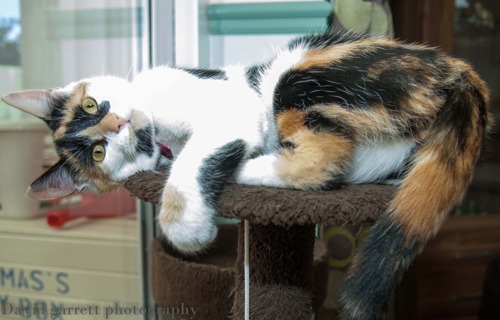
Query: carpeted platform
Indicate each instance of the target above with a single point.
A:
(350, 204)
(288, 268)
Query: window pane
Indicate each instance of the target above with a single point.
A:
(79, 255)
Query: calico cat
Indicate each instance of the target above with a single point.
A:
(326, 109)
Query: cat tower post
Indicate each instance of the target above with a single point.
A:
(288, 269)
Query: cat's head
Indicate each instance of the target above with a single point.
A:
(100, 137)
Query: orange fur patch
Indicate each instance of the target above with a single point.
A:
(423, 102)
(74, 102)
(367, 123)
(173, 205)
(317, 156)
(431, 189)
(444, 165)
(289, 122)
(326, 56)
(107, 124)
(59, 133)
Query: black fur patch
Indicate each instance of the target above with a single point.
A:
(58, 104)
(413, 126)
(144, 141)
(82, 120)
(78, 147)
(215, 74)
(457, 111)
(382, 259)
(287, 145)
(59, 176)
(348, 82)
(254, 75)
(218, 168)
(317, 122)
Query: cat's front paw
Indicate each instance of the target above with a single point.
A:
(186, 221)
(260, 171)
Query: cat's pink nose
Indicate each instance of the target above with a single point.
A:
(120, 123)
(113, 123)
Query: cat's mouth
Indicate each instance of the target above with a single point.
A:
(141, 123)
(165, 150)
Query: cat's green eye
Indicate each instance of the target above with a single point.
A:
(98, 152)
(89, 105)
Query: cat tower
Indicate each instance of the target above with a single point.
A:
(288, 267)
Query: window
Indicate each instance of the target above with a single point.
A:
(90, 261)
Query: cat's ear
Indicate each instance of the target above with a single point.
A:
(36, 102)
(59, 181)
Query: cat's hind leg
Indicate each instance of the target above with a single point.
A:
(315, 152)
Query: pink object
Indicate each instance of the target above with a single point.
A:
(165, 150)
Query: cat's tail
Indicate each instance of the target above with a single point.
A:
(441, 170)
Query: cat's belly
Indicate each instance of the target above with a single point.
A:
(376, 161)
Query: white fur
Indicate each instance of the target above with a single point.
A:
(195, 227)
(195, 117)
(260, 171)
(376, 160)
